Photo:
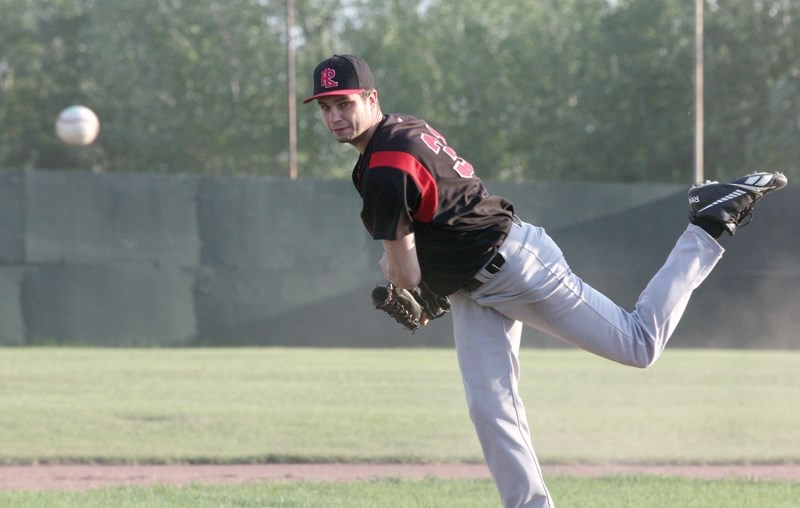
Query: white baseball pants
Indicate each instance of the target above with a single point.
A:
(536, 287)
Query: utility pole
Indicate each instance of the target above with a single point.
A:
(698, 92)
(292, 92)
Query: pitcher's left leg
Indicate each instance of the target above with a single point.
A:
(487, 345)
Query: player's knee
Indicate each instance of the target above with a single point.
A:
(644, 360)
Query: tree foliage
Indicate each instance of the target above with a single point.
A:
(537, 90)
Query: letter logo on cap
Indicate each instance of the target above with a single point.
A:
(326, 78)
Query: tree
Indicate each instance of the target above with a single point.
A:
(752, 84)
(43, 68)
(538, 90)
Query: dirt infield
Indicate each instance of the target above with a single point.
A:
(84, 477)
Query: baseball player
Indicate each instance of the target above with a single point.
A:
(439, 226)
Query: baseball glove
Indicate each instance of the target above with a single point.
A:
(410, 308)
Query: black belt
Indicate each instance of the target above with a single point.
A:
(492, 267)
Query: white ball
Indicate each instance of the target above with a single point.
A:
(77, 126)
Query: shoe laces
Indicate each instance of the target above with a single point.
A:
(745, 217)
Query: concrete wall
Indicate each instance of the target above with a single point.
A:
(148, 259)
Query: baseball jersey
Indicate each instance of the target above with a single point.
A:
(411, 181)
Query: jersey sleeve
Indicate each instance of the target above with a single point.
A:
(390, 200)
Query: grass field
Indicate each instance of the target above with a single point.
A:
(274, 404)
(623, 492)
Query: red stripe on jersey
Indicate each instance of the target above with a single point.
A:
(427, 185)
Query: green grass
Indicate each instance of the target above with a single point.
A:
(658, 492)
(274, 404)
(622, 492)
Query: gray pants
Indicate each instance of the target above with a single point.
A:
(537, 288)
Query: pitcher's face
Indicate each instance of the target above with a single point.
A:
(350, 117)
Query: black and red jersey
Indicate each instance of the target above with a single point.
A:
(410, 180)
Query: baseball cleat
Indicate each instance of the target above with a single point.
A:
(731, 203)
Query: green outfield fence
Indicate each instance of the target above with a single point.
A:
(130, 259)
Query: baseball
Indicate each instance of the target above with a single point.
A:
(77, 126)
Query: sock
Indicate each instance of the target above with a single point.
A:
(711, 227)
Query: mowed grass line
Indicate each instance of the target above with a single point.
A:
(619, 492)
(283, 404)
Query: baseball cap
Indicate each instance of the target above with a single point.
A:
(341, 75)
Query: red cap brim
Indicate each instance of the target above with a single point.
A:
(335, 92)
